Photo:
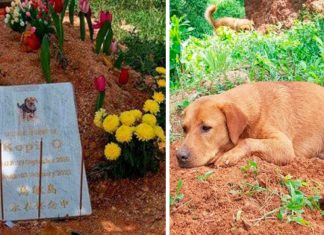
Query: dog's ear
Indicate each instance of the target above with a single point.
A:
(236, 121)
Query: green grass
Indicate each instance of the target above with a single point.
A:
(295, 202)
(178, 196)
(205, 176)
(194, 10)
(146, 42)
(296, 54)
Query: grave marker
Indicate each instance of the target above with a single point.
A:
(38, 123)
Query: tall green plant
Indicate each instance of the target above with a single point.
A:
(179, 30)
(104, 38)
(45, 59)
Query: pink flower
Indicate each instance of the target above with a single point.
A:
(84, 6)
(114, 46)
(28, 14)
(104, 17)
(33, 29)
(100, 83)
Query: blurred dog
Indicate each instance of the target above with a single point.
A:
(28, 108)
(277, 121)
(233, 23)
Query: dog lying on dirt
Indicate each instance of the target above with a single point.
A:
(276, 121)
(233, 23)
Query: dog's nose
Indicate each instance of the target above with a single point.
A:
(183, 154)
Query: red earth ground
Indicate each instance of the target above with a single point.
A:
(284, 11)
(125, 206)
(225, 204)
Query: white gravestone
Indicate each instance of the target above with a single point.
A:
(30, 115)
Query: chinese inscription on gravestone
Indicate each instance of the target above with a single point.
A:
(38, 123)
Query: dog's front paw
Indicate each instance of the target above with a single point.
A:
(227, 160)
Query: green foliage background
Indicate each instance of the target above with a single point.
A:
(147, 46)
(193, 11)
(295, 54)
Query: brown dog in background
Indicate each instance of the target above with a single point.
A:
(277, 121)
(233, 23)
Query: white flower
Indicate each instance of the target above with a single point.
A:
(7, 9)
(22, 24)
(45, 22)
(16, 20)
(8, 16)
(12, 21)
(6, 20)
(12, 4)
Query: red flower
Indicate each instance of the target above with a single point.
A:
(31, 40)
(123, 77)
(100, 83)
(104, 17)
(58, 5)
(84, 6)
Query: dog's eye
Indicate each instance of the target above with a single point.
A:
(205, 128)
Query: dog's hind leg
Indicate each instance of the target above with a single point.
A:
(277, 149)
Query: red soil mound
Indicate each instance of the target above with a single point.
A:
(226, 204)
(135, 206)
(284, 11)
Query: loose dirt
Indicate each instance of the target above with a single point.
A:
(133, 206)
(284, 11)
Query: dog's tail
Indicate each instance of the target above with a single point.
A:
(209, 14)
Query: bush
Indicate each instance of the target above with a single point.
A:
(294, 54)
(144, 34)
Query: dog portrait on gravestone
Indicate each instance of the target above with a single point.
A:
(28, 109)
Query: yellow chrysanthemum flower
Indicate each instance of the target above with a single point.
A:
(112, 151)
(127, 118)
(99, 116)
(144, 132)
(160, 70)
(149, 119)
(111, 123)
(158, 97)
(151, 106)
(161, 83)
(137, 114)
(159, 133)
(124, 134)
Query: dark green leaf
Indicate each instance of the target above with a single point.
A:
(101, 36)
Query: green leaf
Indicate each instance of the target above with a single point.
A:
(100, 100)
(205, 176)
(58, 27)
(45, 59)
(66, 3)
(82, 26)
(171, 200)
(90, 27)
(71, 11)
(107, 42)
(179, 197)
(299, 220)
(101, 36)
(281, 213)
(179, 186)
(119, 61)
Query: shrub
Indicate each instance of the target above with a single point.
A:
(294, 54)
